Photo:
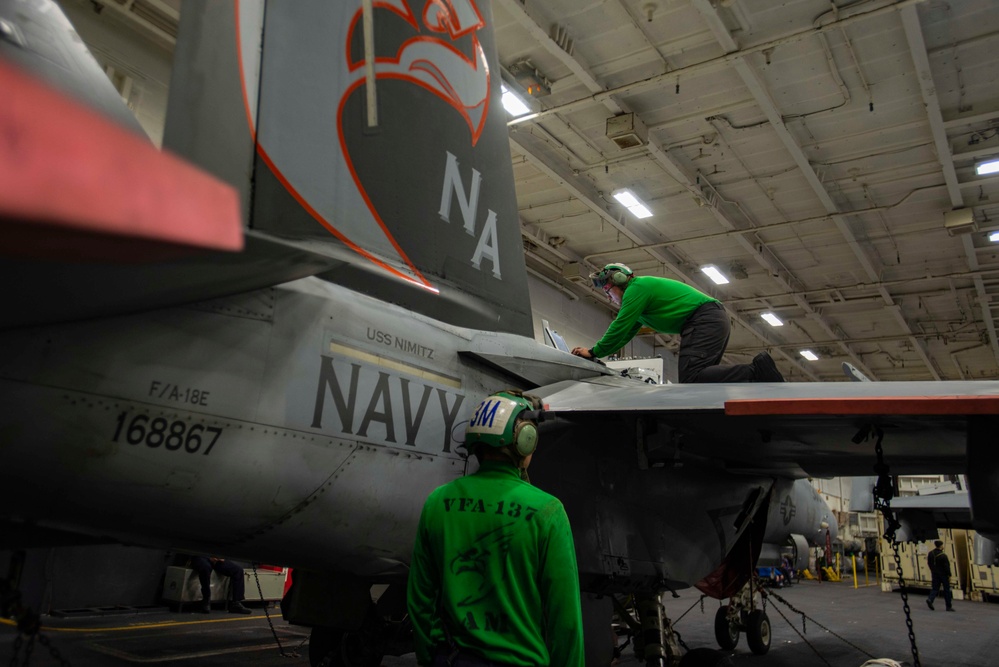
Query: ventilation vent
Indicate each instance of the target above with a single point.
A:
(961, 221)
(627, 131)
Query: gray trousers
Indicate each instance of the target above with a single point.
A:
(703, 340)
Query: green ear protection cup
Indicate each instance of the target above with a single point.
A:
(619, 278)
(525, 438)
(617, 274)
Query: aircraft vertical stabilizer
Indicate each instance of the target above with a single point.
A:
(389, 154)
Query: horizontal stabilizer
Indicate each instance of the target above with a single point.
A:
(49, 292)
(79, 187)
(939, 502)
(97, 222)
(922, 516)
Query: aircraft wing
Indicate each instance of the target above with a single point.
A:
(921, 516)
(50, 292)
(791, 429)
(95, 221)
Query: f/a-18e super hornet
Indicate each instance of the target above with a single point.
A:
(295, 402)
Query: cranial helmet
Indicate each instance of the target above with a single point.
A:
(615, 274)
(506, 418)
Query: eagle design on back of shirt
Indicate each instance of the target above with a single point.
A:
(472, 563)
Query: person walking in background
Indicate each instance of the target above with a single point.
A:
(940, 571)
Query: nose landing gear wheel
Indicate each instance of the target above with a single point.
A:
(758, 632)
(726, 633)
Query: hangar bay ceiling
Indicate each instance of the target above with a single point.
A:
(820, 154)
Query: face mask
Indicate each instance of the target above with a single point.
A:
(612, 294)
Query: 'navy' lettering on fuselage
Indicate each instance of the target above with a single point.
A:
(370, 399)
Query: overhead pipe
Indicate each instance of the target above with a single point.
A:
(710, 65)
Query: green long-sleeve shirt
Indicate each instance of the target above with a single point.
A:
(495, 556)
(660, 303)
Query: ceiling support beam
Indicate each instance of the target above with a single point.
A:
(917, 47)
(583, 190)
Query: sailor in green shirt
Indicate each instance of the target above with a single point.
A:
(493, 579)
(673, 307)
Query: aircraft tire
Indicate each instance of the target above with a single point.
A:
(758, 632)
(705, 657)
(726, 633)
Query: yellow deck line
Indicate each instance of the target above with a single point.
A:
(142, 626)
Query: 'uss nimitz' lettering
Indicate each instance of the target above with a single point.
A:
(400, 343)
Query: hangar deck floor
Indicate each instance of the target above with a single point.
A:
(871, 620)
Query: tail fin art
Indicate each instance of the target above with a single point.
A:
(415, 200)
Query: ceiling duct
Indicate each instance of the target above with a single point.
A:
(530, 79)
(575, 271)
(961, 221)
(627, 131)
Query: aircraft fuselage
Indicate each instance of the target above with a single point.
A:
(304, 425)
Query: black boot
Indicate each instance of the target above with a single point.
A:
(764, 369)
(236, 607)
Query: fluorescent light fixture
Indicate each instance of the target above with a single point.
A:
(986, 168)
(627, 198)
(808, 354)
(994, 237)
(712, 272)
(512, 102)
(632, 203)
(772, 319)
